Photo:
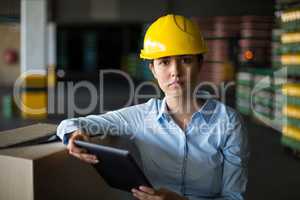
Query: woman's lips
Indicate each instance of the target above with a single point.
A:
(176, 83)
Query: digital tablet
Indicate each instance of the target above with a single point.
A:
(117, 167)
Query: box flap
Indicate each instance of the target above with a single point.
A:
(33, 152)
(27, 133)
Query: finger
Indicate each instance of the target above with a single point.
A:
(147, 190)
(71, 145)
(90, 161)
(140, 195)
(73, 148)
(86, 157)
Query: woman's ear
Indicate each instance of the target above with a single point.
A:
(151, 67)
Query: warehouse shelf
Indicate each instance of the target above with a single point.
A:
(288, 50)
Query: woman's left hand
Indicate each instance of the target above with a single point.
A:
(148, 193)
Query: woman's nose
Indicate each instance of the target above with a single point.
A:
(175, 68)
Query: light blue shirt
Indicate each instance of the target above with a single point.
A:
(207, 160)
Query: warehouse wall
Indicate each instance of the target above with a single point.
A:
(9, 7)
(137, 10)
(228, 7)
(10, 39)
(72, 10)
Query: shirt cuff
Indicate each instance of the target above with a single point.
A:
(66, 138)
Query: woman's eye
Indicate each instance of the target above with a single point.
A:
(164, 62)
(187, 60)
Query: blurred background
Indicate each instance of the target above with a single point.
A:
(253, 60)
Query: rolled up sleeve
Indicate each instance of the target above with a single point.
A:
(111, 123)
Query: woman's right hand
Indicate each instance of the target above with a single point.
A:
(80, 153)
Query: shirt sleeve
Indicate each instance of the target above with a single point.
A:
(236, 156)
(111, 123)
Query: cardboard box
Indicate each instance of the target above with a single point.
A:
(47, 172)
(23, 136)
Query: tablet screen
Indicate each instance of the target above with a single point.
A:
(117, 167)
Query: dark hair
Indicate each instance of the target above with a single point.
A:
(200, 57)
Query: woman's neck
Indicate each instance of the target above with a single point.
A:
(179, 105)
(181, 109)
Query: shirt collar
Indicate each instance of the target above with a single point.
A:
(163, 110)
(207, 109)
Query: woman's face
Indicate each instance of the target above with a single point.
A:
(177, 75)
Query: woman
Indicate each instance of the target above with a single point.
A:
(190, 149)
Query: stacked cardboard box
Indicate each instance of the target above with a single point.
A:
(221, 34)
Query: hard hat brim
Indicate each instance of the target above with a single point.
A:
(157, 55)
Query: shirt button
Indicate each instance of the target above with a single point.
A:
(204, 128)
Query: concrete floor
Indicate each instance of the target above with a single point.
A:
(273, 174)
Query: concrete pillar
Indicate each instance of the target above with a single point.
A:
(51, 49)
(33, 58)
(51, 44)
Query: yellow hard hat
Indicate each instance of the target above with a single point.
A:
(172, 35)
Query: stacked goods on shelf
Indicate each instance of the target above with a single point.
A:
(280, 75)
(290, 60)
(243, 91)
(255, 41)
(255, 93)
(221, 34)
(276, 37)
(276, 48)
(291, 111)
